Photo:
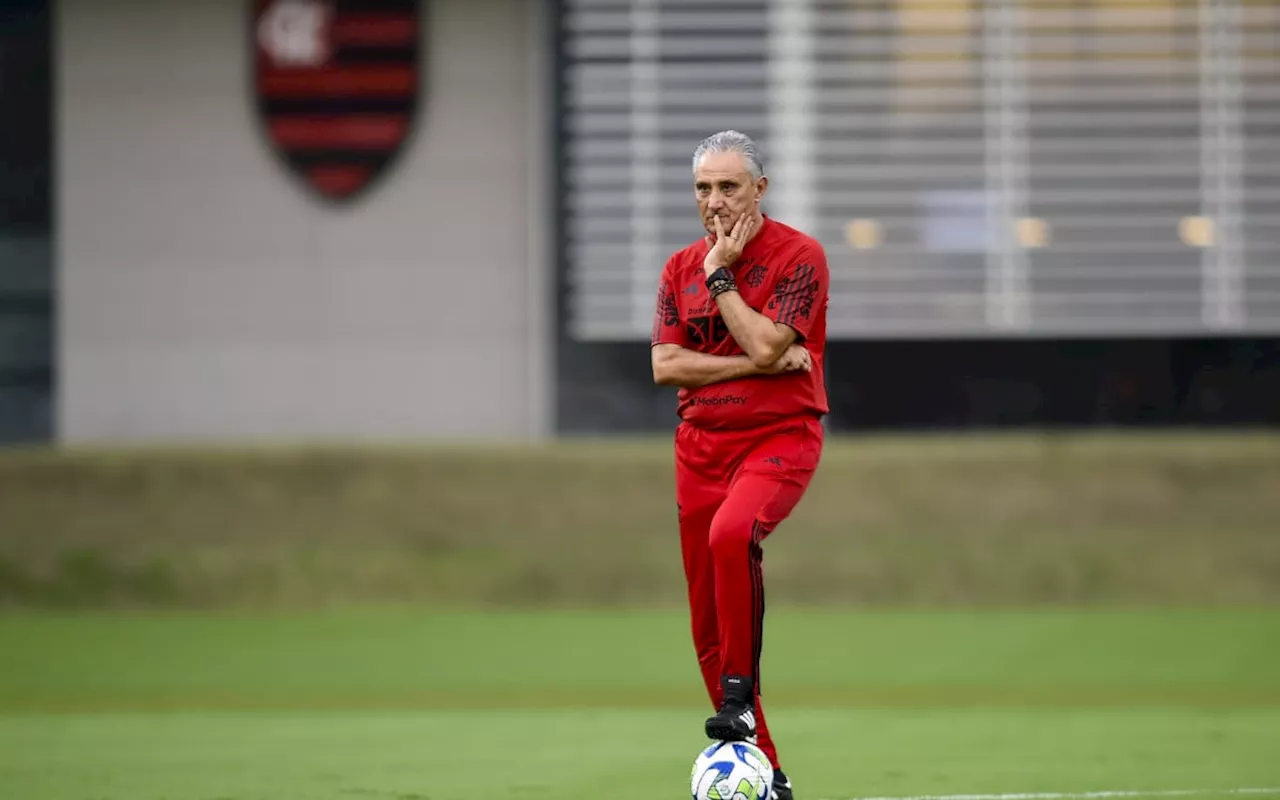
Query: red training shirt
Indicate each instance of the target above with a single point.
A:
(782, 274)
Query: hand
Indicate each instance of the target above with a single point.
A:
(795, 357)
(727, 249)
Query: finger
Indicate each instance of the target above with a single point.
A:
(736, 231)
(719, 229)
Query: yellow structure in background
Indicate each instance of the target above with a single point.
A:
(863, 234)
(1032, 232)
(1074, 25)
(1196, 231)
(926, 20)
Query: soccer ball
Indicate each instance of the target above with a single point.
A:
(732, 771)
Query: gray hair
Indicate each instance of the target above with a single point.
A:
(731, 142)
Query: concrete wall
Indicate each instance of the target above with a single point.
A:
(204, 293)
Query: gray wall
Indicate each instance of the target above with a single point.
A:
(204, 294)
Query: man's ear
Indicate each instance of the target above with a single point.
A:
(762, 186)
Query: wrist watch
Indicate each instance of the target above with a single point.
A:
(720, 281)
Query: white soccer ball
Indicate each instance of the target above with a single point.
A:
(732, 771)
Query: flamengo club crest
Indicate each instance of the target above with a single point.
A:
(337, 86)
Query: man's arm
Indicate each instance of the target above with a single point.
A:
(675, 362)
(674, 365)
(763, 340)
(787, 317)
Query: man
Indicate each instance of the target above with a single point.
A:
(741, 329)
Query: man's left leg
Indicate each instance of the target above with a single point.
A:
(768, 485)
(699, 495)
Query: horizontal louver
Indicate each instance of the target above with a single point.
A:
(973, 169)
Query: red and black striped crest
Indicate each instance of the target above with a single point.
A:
(337, 85)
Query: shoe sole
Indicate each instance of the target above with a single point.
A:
(726, 732)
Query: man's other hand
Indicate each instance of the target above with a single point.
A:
(795, 357)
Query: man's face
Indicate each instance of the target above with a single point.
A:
(724, 188)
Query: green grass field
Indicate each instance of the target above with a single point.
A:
(1009, 520)
(250, 624)
(398, 703)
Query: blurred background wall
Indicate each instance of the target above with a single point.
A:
(204, 292)
(1035, 215)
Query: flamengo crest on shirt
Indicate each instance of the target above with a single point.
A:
(337, 86)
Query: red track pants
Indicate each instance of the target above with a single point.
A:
(732, 490)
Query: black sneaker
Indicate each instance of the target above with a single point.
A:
(781, 786)
(736, 719)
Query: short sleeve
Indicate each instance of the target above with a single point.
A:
(667, 328)
(800, 291)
